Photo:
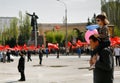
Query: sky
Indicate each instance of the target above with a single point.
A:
(51, 11)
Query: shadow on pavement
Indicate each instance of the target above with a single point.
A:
(37, 65)
(57, 66)
(12, 82)
(84, 68)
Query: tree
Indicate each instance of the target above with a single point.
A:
(24, 28)
(55, 37)
(12, 41)
(59, 37)
(79, 34)
(0, 36)
(14, 28)
(10, 34)
(50, 37)
(16, 34)
(116, 31)
(112, 10)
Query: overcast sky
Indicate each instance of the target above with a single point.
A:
(51, 11)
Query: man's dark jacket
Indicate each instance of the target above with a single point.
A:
(21, 64)
(104, 67)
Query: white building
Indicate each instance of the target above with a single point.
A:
(5, 22)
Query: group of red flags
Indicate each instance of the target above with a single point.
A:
(19, 48)
(114, 41)
(77, 44)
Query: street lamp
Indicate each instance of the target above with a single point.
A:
(65, 23)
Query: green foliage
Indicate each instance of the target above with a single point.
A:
(59, 37)
(11, 42)
(112, 9)
(16, 34)
(79, 34)
(9, 35)
(14, 28)
(116, 31)
(24, 28)
(0, 36)
(54, 37)
(50, 37)
(70, 34)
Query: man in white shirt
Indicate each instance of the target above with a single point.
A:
(117, 55)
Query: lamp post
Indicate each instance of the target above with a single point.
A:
(65, 23)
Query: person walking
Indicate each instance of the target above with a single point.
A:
(21, 67)
(58, 53)
(8, 56)
(47, 52)
(79, 52)
(40, 56)
(104, 64)
(4, 56)
(29, 56)
(117, 55)
(67, 51)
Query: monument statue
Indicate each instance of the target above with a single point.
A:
(34, 21)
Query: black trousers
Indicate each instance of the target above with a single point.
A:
(40, 60)
(117, 60)
(47, 55)
(57, 55)
(29, 58)
(8, 58)
(22, 76)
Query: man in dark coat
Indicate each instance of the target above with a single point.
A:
(8, 56)
(104, 64)
(40, 56)
(29, 55)
(21, 67)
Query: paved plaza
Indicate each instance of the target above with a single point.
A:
(67, 69)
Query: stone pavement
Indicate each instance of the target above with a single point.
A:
(67, 69)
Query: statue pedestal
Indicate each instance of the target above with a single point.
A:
(33, 35)
(40, 39)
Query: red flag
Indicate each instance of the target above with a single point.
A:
(32, 47)
(1, 47)
(69, 44)
(6, 47)
(57, 27)
(54, 46)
